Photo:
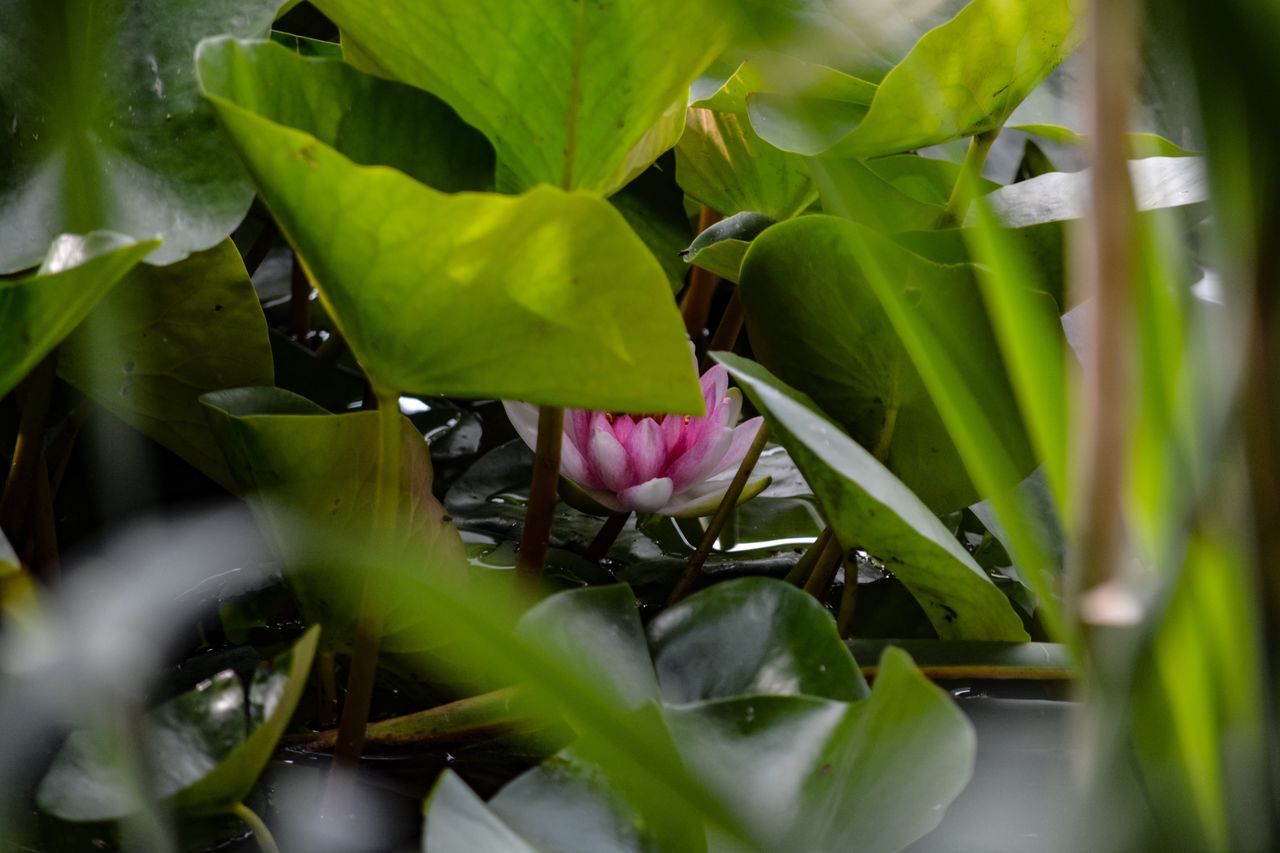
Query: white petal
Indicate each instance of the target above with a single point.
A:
(608, 460)
(743, 435)
(524, 417)
(649, 496)
(691, 505)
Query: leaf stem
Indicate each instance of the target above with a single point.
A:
(536, 536)
(695, 307)
(962, 192)
(885, 441)
(727, 504)
(804, 566)
(364, 655)
(608, 534)
(824, 571)
(266, 842)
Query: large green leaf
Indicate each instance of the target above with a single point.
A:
(38, 311)
(712, 646)
(372, 121)
(723, 164)
(962, 78)
(165, 336)
(566, 91)
(104, 127)
(206, 747)
(301, 466)
(871, 509)
(816, 322)
(547, 297)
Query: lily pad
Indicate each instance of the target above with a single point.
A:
(38, 311)
(302, 470)
(567, 92)
(871, 509)
(165, 336)
(105, 129)
(816, 323)
(207, 747)
(548, 297)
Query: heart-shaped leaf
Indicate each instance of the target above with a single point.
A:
(300, 467)
(105, 129)
(818, 325)
(567, 92)
(38, 311)
(207, 747)
(871, 509)
(165, 336)
(547, 297)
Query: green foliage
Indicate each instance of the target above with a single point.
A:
(165, 336)
(721, 248)
(579, 95)
(207, 746)
(546, 297)
(104, 126)
(871, 509)
(38, 311)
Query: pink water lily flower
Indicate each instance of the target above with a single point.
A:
(667, 464)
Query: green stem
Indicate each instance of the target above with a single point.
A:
(825, 570)
(364, 654)
(885, 441)
(804, 566)
(962, 192)
(536, 536)
(727, 504)
(266, 842)
(608, 534)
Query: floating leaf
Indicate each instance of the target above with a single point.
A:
(567, 92)
(105, 129)
(207, 747)
(165, 336)
(547, 297)
(38, 311)
(871, 509)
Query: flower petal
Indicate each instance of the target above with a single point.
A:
(649, 496)
(646, 450)
(702, 503)
(573, 465)
(743, 435)
(697, 463)
(714, 383)
(577, 425)
(622, 427)
(524, 417)
(608, 460)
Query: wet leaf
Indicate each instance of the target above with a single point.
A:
(871, 509)
(567, 92)
(206, 747)
(104, 126)
(38, 311)
(165, 336)
(547, 297)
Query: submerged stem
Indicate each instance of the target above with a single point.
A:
(804, 566)
(364, 655)
(266, 842)
(962, 193)
(727, 505)
(536, 536)
(824, 572)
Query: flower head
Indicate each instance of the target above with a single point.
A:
(667, 464)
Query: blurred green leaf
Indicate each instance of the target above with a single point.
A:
(962, 78)
(780, 74)
(1141, 145)
(165, 336)
(105, 129)
(816, 322)
(567, 92)
(721, 248)
(851, 190)
(38, 311)
(721, 163)
(206, 747)
(653, 205)
(300, 466)
(751, 637)
(547, 297)
(871, 509)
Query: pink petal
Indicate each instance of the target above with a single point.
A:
(649, 496)
(574, 466)
(646, 450)
(714, 383)
(622, 427)
(672, 428)
(608, 460)
(578, 427)
(743, 435)
(702, 501)
(700, 460)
